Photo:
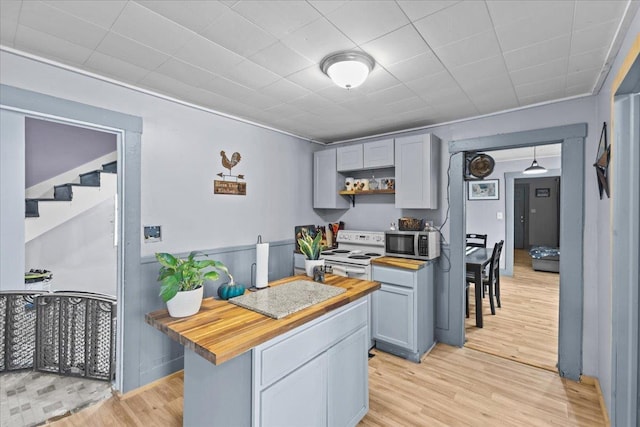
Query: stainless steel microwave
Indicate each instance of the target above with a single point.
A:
(412, 244)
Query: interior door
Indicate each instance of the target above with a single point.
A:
(520, 217)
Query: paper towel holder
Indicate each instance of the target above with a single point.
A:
(254, 269)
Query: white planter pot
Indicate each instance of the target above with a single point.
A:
(185, 303)
(310, 263)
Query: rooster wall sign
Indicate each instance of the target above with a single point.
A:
(230, 184)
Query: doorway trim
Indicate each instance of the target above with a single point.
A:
(509, 183)
(129, 130)
(572, 137)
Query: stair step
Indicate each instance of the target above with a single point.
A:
(65, 191)
(111, 167)
(91, 178)
(32, 207)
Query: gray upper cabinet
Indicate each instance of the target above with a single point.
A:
(327, 182)
(417, 171)
(350, 158)
(379, 154)
(370, 155)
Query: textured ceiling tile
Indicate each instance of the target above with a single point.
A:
(591, 59)
(157, 32)
(541, 97)
(469, 50)
(364, 21)
(114, 67)
(589, 13)
(458, 22)
(208, 55)
(409, 103)
(325, 7)
(165, 85)
(7, 31)
(186, 73)
(50, 47)
(379, 79)
(548, 21)
(130, 51)
(582, 89)
(596, 36)
(311, 78)
(251, 75)
(226, 87)
(396, 46)
(417, 67)
(419, 9)
(101, 13)
(542, 87)
(195, 15)
(9, 12)
(433, 82)
(539, 72)
(506, 12)
(317, 40)
(285, 91)
(583, 77)
(237, 34)
(46, 19)
(280, 59)
(392, 94)
(277, 17)
(468, 74)
(541, 52)
(312, 103)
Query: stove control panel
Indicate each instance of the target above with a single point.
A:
(374, 238)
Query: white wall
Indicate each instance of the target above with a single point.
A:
(11, 200)
(603, 229)
(80, 253)
(180, 160)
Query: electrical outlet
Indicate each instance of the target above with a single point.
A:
(152, 234)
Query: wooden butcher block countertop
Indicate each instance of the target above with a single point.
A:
(221, 331)
(409, 264)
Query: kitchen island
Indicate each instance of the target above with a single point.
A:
(242, 368)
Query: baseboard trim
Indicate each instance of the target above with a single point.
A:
(150, 385)
(603, 407)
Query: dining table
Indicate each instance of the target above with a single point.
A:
(476, 260)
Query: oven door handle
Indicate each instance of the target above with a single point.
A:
(354, 270)
(347, 269)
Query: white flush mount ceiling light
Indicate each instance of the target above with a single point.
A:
(535, 168)
(347, 69)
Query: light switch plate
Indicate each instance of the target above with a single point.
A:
(152, 234)
(499, 215)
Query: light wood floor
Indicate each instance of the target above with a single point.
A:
(526, 327)
(451, 387)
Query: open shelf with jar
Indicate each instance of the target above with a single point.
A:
(353, 193)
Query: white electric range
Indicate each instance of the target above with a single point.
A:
(356, 249)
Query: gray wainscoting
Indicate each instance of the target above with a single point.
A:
(161, 356)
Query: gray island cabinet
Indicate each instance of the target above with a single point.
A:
(403, 310)
(245, 369)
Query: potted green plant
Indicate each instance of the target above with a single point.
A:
(310, 246)
(182, 281)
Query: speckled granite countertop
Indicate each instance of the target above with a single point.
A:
(281, 301)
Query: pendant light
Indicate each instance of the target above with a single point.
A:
(347, 69)
(535, 168)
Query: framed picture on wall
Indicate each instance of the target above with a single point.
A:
(484, 190)
(543, 192)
